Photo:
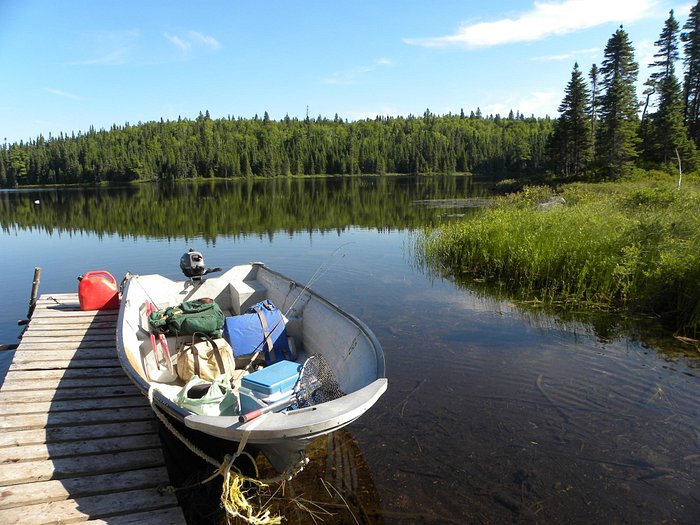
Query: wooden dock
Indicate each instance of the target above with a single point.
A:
(78, 443)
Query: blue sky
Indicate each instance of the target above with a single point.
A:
(67, 65)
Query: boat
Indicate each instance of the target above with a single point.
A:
(316, 326)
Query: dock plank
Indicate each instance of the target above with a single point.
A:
(78, 442)
(11, 438)
(64, 394)
(62, 382)
(57, 490)
(169, 516)
(69, 373)
(86, 464)
(27, 354)
(67, 345)
(44, 451)
(24, 363)
(84, 417)
(9, 409)
(101, 506)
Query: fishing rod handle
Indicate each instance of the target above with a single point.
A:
(282, 403)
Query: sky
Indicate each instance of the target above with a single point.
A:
(71, 64)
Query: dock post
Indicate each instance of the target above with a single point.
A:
(32, 298)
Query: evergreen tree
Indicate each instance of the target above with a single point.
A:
(691, 82)
(594, 77)
(617, 136)
(3, 172)
(667, 134)
(571, 140)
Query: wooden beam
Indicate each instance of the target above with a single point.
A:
(85, 465)
(72, 405)
(82, 509)
(82, 417)
(44, 451)
(64, 394)
(14, 438)
(71, 488)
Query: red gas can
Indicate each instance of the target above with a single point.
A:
(98, 290)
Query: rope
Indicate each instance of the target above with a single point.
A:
(233, 495)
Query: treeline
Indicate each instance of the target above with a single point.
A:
(603, 128)
(234, 147)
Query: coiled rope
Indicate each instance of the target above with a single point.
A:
(233, 495)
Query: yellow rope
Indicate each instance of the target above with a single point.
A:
(233, 494)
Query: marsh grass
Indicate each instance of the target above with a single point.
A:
(632, 245)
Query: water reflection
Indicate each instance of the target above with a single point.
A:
(607, 326)
(236, 207)
(495, 413)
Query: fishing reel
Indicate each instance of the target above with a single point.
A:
(192, 265)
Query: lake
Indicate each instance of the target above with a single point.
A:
(494, 413)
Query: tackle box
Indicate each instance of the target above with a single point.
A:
(268, 385)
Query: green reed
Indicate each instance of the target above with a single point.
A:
(631, 245)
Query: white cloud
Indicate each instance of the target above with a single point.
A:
(109, 48)
(543, 20)
(112, 58)
(353, 75)
(191, 39)
(589, 53)
(205, 40)
(180, 43)
(537, 103)
(63, 94)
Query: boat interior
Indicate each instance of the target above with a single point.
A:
(313, 325)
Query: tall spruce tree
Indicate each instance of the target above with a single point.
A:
(691, 81)
(571, 141)
(617, 136)
(667, 133)
(594, 77)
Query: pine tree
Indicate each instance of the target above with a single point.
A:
(571, 140)
(691, 83)
(667, 133)
(594, 77)
(617, 137)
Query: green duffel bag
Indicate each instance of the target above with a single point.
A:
(199, 316)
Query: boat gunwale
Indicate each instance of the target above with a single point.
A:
(168, 406)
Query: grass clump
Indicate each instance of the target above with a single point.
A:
(632, 245)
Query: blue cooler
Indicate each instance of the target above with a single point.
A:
(246, 333)
(269, 384)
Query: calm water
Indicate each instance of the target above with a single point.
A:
(493, 414)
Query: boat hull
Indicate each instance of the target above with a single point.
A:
(318, 327)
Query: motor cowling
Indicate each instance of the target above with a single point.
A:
(192, 264)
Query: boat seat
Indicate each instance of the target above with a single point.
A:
(245, 294)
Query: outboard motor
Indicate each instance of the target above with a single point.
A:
(192, 265)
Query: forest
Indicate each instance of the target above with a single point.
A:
(234, 147)
(603, 131)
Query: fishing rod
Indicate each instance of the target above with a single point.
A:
(322, 269)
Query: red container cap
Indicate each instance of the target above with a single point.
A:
(98, 290)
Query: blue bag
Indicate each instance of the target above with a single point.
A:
(260, 328)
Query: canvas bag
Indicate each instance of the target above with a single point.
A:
(207, 359)
(218, 399)
(201, 315)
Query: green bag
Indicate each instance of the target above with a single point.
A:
(217, 400)
(198, 316)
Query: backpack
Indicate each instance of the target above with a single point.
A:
(200, 315)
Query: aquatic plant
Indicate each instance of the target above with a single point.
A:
(632, 245)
